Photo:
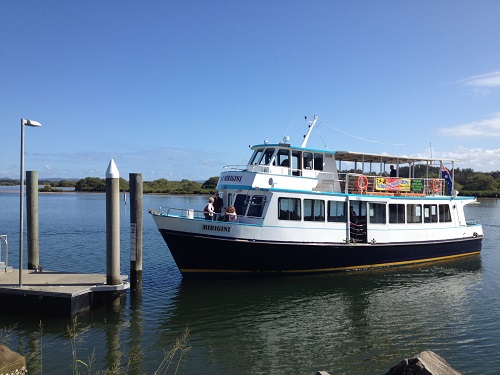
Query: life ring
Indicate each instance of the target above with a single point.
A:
(436, 185)
(362, 182)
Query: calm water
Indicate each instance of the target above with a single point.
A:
(346, 323)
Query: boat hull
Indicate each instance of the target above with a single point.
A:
(198, 255)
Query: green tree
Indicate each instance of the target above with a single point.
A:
(91, 184)
(480, 182)
(211, 183)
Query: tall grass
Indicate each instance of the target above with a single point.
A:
(170, 364)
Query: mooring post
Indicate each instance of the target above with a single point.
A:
(136, 193)
(112, 224)
(32, 219)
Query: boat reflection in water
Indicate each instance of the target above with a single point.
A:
(352, 322)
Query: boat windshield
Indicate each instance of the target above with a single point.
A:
(262, 156)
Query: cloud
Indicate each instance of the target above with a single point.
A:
(483, 128)
(482, 84)
(487, 80)
(485, 160)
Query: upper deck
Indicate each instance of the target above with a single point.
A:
(298, 168)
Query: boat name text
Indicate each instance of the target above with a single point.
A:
(232, 178)
(216, 228)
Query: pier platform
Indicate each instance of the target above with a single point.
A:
(56, 293)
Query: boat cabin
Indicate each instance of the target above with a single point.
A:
(282, 166)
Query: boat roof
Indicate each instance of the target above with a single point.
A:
(363, 157)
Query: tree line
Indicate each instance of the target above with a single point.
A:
(96, 184)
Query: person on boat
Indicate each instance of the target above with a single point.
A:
(393, 171)
(218, 204)
(230, 214)
(209, 209)
(352, 215)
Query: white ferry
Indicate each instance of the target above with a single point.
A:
(296, 214)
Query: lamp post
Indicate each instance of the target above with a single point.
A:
(24, 122)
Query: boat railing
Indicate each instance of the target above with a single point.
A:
(4, 264)
(355, 183)
(257, 168)
(189, 213)
(236, 168)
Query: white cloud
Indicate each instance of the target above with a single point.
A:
(485, 160)
(487, 80)
(483, 128)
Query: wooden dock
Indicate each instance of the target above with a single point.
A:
(56, 293)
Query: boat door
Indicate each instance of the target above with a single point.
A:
(357, 218)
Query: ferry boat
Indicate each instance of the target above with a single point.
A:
(297, 213)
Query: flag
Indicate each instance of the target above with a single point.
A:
(445, 174)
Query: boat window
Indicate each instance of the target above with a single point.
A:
(336, 212)
(266, 158)
(397, 213)
(283, 158)
(318, 162)
(296, 155)
(256, 205)
(240, 204)
(314, 210)
(377, 213)
(414, 213)
(256, 157)
(307, 158)
(444, 213)
(430, 213)
(289, 209)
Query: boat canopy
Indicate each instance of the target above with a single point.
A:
(359, 157)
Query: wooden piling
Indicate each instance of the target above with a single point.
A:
(32, 219)
(112, 224)
(136, 207)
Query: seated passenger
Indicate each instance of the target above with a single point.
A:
(230, 214)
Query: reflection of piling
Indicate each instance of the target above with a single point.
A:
(32, 219)
(136, 191)
(112, 224)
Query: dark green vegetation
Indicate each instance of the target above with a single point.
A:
(467, 182)
(95, 184)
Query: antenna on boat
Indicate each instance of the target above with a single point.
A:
(311, 126)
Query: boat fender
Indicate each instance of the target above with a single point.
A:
(436, 185)
(362, 182)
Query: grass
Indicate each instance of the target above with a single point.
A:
(32, 349)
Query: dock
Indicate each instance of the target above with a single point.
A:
(56, 293)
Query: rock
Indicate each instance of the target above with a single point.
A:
(426, 363)
(10, 361)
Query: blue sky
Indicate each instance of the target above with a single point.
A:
(178, 89)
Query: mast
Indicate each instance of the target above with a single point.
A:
(311, 126)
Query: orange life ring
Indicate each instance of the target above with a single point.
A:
(362, 182)
(436, 185)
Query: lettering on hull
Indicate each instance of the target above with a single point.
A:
(232, 178)
(216, 228)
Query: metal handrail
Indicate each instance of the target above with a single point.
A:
(4, 238)
(351, 179)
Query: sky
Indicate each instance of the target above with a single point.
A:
(179, 89)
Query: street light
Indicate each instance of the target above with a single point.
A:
(24, 122)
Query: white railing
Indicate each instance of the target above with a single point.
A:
(3, 264)
(416, 187)
(188, 213)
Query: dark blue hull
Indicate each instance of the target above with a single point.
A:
(201, 255)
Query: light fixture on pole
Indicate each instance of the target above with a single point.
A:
(24, 122)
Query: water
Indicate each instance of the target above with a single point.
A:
(347, 323)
